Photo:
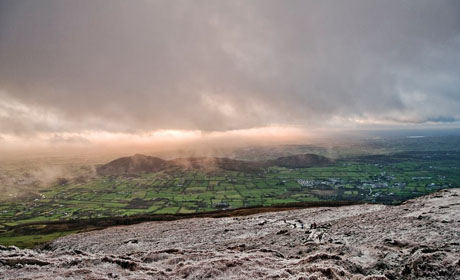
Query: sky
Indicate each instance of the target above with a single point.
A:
(141, 72)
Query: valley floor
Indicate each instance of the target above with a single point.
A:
(419, 239)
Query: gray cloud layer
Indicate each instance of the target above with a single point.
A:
(218, 65)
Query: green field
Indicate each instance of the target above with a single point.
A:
(387, 179)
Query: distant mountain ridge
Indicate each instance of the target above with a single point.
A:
(300, 161)
(147, 164)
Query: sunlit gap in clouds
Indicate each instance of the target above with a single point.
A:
(104, 141)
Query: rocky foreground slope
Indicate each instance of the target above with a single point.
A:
(419, 239)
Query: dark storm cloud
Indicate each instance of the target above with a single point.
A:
(218, 65)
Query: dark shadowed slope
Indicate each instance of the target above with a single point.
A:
(213, 164)
(299, 161)
(146, 164)
(133, 165)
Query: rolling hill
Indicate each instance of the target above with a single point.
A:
(300, 161)
(147, 164)
(133, 165)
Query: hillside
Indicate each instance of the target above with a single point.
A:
(300, 161)
(213, 164)
(146, 164)
(133, 164)
(415, 240)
